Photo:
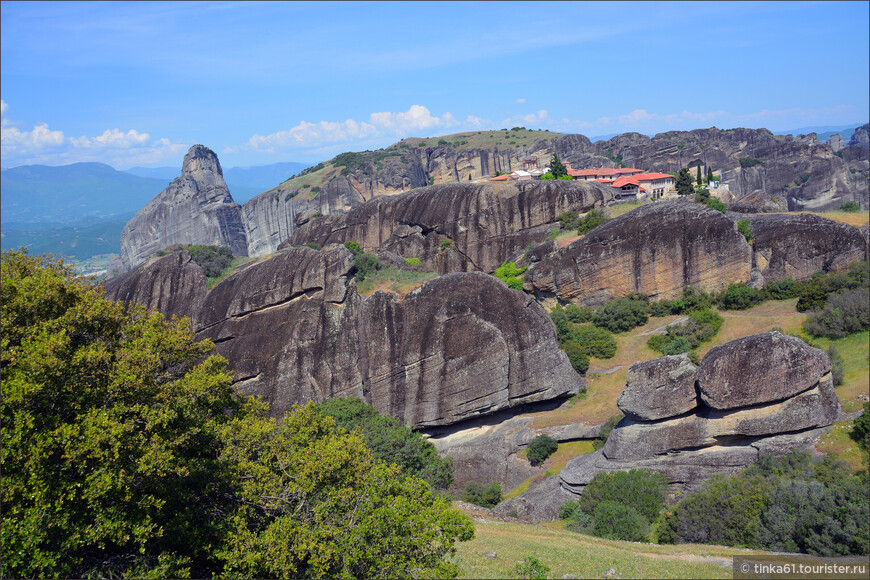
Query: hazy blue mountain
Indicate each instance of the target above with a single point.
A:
(35, 194)
(86, 238)
(244, 182)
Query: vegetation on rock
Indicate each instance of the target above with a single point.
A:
(127, 452)
(510, 275)
(480, 494)
(540, 448)
(590, 221)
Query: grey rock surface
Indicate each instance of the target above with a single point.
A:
(660, 388)
(761, 368)
(196, 208)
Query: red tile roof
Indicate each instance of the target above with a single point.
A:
(625, 181)
(500, 178)
(651, 176)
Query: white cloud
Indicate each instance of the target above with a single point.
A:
(534, 119)
(520, 101)
(42, 145)
(402, 124)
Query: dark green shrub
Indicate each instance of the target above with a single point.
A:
(313, 245)
(749, 162)
(639, 489)
(715, 203)
(590, 221)
(577, 519)
(739, 297)
(444, 245)
(540, 448)
(568, 220)
(212, 259)
(851, 207)
(837, 366)
(745, 228)
(365, 264)
(616, 521)
(677, 345)
(390, 440)
(861, 428)
(606, 428)
(783, 289)
(479, 494)
(531, 569)
(579, 313)
(844, 313)
(354, 248)
(578, 359)
(596, 342)
(563, 325)
(623, 314)
(815, 292)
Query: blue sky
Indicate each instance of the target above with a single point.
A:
(138, 83)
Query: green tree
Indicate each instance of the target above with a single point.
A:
(577, 357)
(481, 494)
(510, 275)
(540, 448)
(590, 221)
(684, 182)
(850, 206)
(390, 441)
(709, 174)
(557, 168)
(698, 178)
(616, 521)
(126, 452)
(745, 228)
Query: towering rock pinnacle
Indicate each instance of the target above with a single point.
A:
(196, 208)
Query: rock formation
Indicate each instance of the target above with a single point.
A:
(656, 249)
(798, 246)
(482, 225)
(294, 328)
(196, 208)
(766, 393)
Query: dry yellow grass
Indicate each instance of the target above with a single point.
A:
(554, 464)
(857, 219)
(838, 442)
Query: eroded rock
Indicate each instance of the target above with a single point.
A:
(662, 387)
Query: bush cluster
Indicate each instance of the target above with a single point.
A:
(212, 259)
(364, 263)
(581, 341)
(702, 325)
(851, 207)
(844, 313)
(390, 440)
(793, 504)
(480, 494)
(590, 221)
(619, 505)
(510, 275)
(623, 314)
(540, 448)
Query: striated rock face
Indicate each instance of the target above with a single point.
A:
(799, 245)
(483, 225)
(173, 285)
(761, 368)
(196, 208)
(766, 393)
(656, 249)
(662, 387)
(294, 328)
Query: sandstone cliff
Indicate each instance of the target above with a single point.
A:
(656, 249)
(196, 208)
(294, 328)
(484, 225)
(766, 393)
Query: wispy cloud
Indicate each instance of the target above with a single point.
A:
(42, 145)
(385, 124)
(520, 101)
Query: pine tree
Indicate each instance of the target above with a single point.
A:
(557, 168)
(698, 178)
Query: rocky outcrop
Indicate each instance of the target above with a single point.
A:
(294, 328)
(457, 227)
(196, 208)
(656, 249)
(173, 285)
(799, 245)
(766, 393)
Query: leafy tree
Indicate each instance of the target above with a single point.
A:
(563, 326)
(568, 220)
(851, 207)
(702, 195)
(596, 342)
(616, 521)
(548, 177)
(557, 168)
(354, 248)
(540, 448)
(481, 494)
(845, 313)
(739, 297)
(715, 203)
(684, 182)
(565, 178)
(579, 313)
(623, 314)
(212, 259)
(861, 428)
(590, 221)
(745, 228)
(389, 440)
(639, 489)
(577, 357)
(365, 265)
(126, 452)
(510, 275)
